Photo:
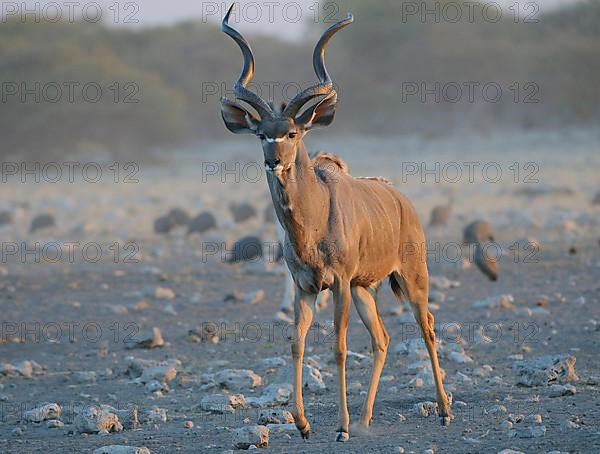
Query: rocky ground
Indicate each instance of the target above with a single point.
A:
(165, 346)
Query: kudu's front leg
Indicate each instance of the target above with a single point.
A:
(341, 301)
(303, 315)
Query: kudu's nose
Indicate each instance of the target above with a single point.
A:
(270, 164)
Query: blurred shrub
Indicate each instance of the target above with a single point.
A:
(161, 86)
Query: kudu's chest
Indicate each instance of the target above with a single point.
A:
(310, 268)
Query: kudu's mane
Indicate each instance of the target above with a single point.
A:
(324, 160)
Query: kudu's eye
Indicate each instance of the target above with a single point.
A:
(292, 135)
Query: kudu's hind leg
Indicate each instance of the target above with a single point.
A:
(366, 306)
(341, 301)
(417, 291)
(303, 316)
(289, 294)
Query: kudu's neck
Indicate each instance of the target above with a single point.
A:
(301, 202)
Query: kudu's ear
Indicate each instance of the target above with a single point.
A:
(237, 119)
(319, 115)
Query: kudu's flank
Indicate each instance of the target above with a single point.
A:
(343, 233)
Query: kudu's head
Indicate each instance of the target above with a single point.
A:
(280, 130)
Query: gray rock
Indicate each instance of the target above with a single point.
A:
(207, 332)
(534, 419)
(272, 395)
(482, 371)
(121, 449)
(148, 339)
(248, 248)
(312, 380)
(520, 431)
(282, 318)
(568, 424)
(5, 218)
(506, 425)
(155, 415)
(55, 424)
(515, 419)
(144, 371)
(93, 419)
(462, 378)
(163, 225)
(169, 309)
(275, 416)
(289, 428)
(460, 357)
(162, 293)
(358, 360)
(426, 375)
(497, 410)
(277, 361)
(42, 221)
(43, 413)
(242, 212)
(246, 436)
(479, 337)
(270, 216)
(498, 301)
(129, 418)
(426, 408)
(414, 348)
(442, 283)
(546, 370)
(179, 216)
(238, 379)
(86, 376)
(26, 369)
(202, 223)
(435, 296)
(155, 385)
(562, 390)
(223, 403)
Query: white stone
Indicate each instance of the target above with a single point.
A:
(121, 449)
(546, 370)
(246, 436)
(43, 413)
(238, 379)
(498, 301)
(95, 420)
(223, 403)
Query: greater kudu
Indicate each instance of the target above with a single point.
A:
(343, 233)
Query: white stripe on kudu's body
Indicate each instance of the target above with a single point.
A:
(341, 233)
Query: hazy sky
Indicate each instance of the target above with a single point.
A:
(282, 17)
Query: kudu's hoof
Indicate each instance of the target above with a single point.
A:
(342, 436)
(445, 420)
(305, 431)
